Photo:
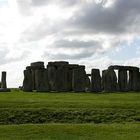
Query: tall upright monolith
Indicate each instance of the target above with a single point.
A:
(3, 80)
(122, 80)
(95, 80)
(109, 80)
(27, 82)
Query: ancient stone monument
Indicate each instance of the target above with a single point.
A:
(96, 80)
(60, 76)
(109, 80)
(3, 87)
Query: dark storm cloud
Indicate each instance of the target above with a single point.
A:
(60, 2)
(26, 5)
(122, 17)
(63, 56)
(79, 49)
(75, 44)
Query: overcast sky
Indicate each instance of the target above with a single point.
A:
(96, 33)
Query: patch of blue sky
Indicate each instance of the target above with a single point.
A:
(126, 51)
(3, 3)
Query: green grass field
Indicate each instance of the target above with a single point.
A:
(71, 132)
(69, 116)
(19, 99)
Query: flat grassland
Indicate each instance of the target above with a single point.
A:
(71, 132)
(69, 116)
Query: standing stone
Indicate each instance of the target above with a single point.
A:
(79, 79)
(70, 68)
(95, 80)
(61, 80)
(136, 80)
(35, 66)
(52, 77)
(27, 83)
(41, 80)
(109, 80)
(3, 80)
(57, 75)
(122, 80)
(3, 83)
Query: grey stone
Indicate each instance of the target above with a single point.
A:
(134, 80)
(70, 67)
(3, 80)
(79, 79)
(109, 80)
(122, 80)
(61, 80)
(33, 79)
(27, 82)
(130, 81)
(41, 80)
(37, 65)
(33, 67)
(95, 80)
(117, 67)
(52, 77)
(58, 63)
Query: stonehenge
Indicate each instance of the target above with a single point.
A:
(60, 76)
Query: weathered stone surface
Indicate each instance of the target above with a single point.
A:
(109, 80)
(3, 80)
(33, 67)
(70, 68)
(79, 79)
(134, 80)
(27, 83)
(58, 63)
(95, 80)
(52, 77)
(37, 64)
(130, 81)
(117, 67)
(122, 80)
(33, 78)
(41, 80)
(61, 80)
